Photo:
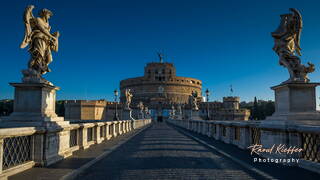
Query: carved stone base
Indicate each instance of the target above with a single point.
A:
(295, 102)
(32, 76)
(34, 105)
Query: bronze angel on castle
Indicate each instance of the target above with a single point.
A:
(41, 42)
(287, 46)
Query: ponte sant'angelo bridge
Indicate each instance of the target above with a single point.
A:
(37, 144)
(140, 149)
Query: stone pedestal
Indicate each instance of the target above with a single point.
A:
(295, 102)
(127, 114)
(34, 105)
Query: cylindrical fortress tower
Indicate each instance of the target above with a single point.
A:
(160, 85)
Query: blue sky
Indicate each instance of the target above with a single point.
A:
(103, 42)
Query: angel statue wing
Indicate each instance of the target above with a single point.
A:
(27, 18)
(297, 28)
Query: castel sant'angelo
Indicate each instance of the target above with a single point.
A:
(160, 85)
(161, 90)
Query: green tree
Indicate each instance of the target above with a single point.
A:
(6, 107)
(255, 110)
(260, 109)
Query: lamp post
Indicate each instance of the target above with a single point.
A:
(116, 118)
(207, 94)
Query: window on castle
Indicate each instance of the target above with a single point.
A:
(161, 78)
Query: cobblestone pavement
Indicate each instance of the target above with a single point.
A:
(163, 152)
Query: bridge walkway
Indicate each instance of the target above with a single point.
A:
(162, 151)
(166, 152)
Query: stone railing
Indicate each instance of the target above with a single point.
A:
(24, 147)
(246, 133)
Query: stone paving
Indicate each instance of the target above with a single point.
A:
(163, 152)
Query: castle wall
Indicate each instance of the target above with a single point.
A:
(85, 110)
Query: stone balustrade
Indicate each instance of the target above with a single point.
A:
(246, 133)
(24, 147)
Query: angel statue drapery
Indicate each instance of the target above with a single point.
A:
(287, 46)
(41, 42)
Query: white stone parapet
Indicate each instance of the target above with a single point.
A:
(246, 133)
(49, 145)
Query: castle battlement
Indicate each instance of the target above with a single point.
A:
(85, 102)
(231, 99)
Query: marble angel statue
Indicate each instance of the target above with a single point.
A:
(41, 43)
(128, 98)
(287, 46)
(194, 101)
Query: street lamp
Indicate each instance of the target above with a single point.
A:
(207, 94)
(116, 118)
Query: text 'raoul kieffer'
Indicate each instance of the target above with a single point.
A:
(275, 149)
